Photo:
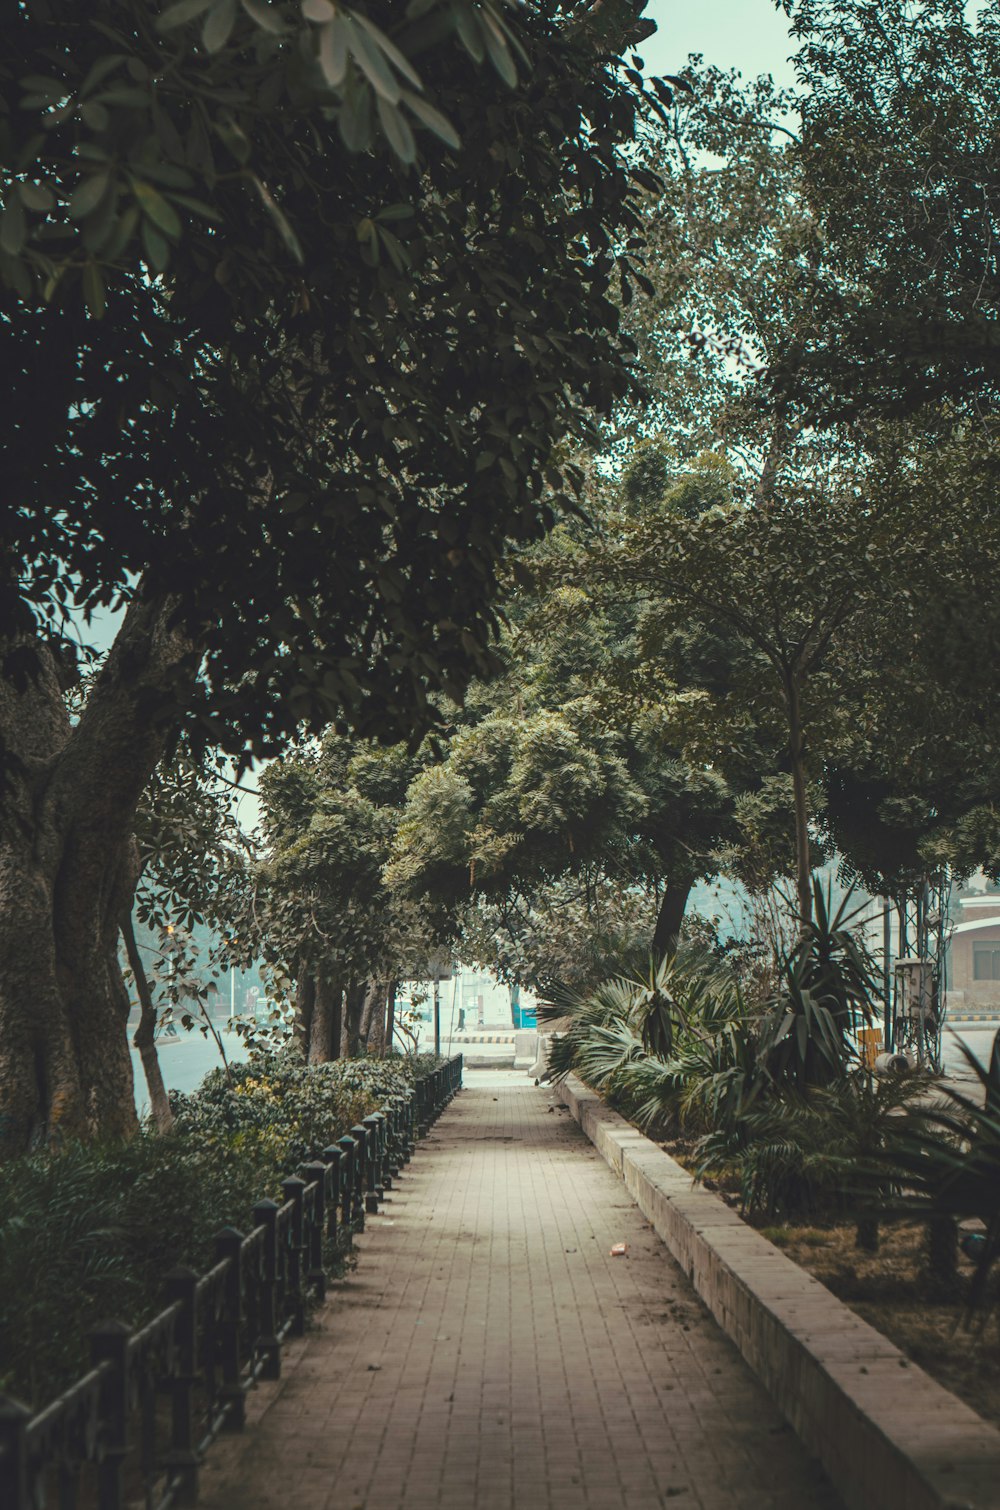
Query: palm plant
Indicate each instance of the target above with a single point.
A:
(826, 992)
(832, 1150)
(673, 1044)
(951, 1160)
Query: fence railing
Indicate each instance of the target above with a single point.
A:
(136, 1426)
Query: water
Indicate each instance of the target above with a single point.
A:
(184, 1062)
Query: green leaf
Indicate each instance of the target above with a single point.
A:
(95, 115)
(37, 196)
(100, 71)
(372, 64)
(234, 137)
(432, 119)
(17, 275)
(13, 227)
(280, 219)
(469, 31)
(125, 94)
(391, 51)
(45, 91)
(183, 11)
(496, 46)
(93, 290)
(98, 226)
(318, 10)
(87, 195)
(355, 117)
(397, 132)
(190, 202)
(264, 16)
(219, 25)
(157, 247)
(333, 51)
(125, 228)
(398, 255)
(160, 211)
(392, 212)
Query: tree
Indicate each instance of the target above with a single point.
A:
(566, 936)
(318, 910)
(565, 777)
(188, 843)
(786, 580)
(899, 161)
(290, 442)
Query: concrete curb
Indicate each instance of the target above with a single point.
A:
(889, 1437)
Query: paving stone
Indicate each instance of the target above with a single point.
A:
(518, 1363)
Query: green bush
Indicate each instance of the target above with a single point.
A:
(88, 1232)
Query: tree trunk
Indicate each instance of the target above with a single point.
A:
(305, 1003)
(376, 1032)
(325, 1023)
(942, 1257)
(354, 1004)
(671, 916)
(390, 1021)
(866, 1232)
(370, 1014)
(67, 877)
(144, 1037)
(796, 749)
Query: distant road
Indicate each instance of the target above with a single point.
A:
(184, 1062)
(187, 1059)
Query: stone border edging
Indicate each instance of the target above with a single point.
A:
(888, 1435)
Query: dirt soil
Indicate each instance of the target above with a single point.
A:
(888, 1290)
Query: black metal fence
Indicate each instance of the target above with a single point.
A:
(135, 1428)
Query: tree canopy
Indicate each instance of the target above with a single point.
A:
(899, 157)
(282, 385)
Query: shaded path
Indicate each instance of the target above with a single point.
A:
(488, 1351)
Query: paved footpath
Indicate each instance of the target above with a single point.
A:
(489, 1352)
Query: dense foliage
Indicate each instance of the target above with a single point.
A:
(111, 1220)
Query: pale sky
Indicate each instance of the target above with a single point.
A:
(750, 35)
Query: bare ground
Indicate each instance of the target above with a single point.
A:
(888, 1289)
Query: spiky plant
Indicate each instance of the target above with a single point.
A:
(829, 1150)
(825, 994)
(951, 1159)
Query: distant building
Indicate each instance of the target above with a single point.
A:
(974, 963)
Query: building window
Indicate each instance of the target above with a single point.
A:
(986, 961)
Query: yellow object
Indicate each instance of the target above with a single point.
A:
(870, 1040)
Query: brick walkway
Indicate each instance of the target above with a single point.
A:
(488, 1351)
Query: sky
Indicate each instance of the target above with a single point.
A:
(750, 35)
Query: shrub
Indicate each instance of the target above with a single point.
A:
(89, 1232)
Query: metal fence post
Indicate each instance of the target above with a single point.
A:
(293, 1189)
(182, 1287)
(333, 1156)
(229, 1247)
(349, 1151)
(109, 1344)
(14, 1418)
(360, 1136)
(265, 1214)
(316, 1174)
(393, 1152)
(374, 1192)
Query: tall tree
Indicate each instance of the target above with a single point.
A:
(315, 388)
(901, 170)
(318, 909)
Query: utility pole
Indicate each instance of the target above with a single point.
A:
(887, 971)
(437, 1015)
